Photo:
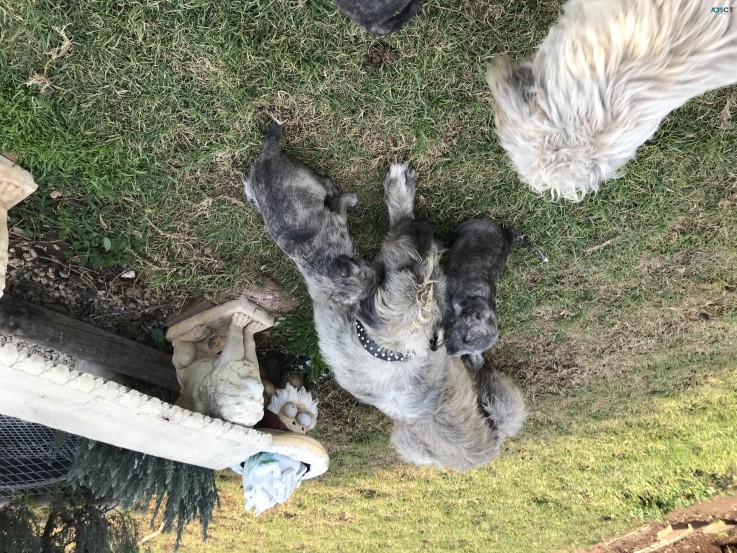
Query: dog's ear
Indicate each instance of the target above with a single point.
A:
(346, 266)
(457, 307)
(512, 84)
(248, 193)
(422, 234)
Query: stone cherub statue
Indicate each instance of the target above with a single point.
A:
(215, 358)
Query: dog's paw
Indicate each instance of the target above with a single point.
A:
(248, 193)
(410, 174)
(349, 201)
(399, 190)
(473, 361)
(400, 176)
(342, 203)
(330, 187)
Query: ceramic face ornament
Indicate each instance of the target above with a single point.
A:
(295, 408)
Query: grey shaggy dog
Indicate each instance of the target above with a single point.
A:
(443, 415)
(380, 17)
(305, 214)
(478, 254)
(601, 83)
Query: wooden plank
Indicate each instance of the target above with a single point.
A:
(56, 396)
(85, 342)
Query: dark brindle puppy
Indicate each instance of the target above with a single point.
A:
(380, 17)
(305, 214)
(478, 254)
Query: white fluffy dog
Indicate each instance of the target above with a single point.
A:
(602, 81)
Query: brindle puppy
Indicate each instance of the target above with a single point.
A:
(477, 257)
(305, 214)
(380, 17)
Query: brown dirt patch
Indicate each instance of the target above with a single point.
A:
(561, 357)
(708, 527)
(115, 299)
(378, 54)
(271, 297)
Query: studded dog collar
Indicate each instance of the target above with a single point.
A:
(375, 349)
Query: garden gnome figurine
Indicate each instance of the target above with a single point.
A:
(15, 184)
(215, 358)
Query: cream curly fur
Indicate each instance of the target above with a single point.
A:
(601, 83)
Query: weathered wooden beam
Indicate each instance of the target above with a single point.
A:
(85, 342)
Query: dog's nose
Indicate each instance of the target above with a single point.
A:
(435, 343)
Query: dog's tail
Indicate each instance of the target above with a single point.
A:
(273, 138)
(398, 21)
(501, 403)
(525, 241)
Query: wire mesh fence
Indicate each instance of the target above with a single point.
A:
(33, 458)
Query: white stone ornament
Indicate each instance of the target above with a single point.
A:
(215, 358)
(15, 184)
(295, 407)
(290, 409)
(304, 419)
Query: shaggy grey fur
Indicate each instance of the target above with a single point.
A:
(444, 416)
(380, 17)
(478, 254)
(305, 214)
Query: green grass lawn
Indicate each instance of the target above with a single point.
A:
(566, 482)
(624, 343)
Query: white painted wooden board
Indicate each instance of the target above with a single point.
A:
(40, 391)
(36, 390)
